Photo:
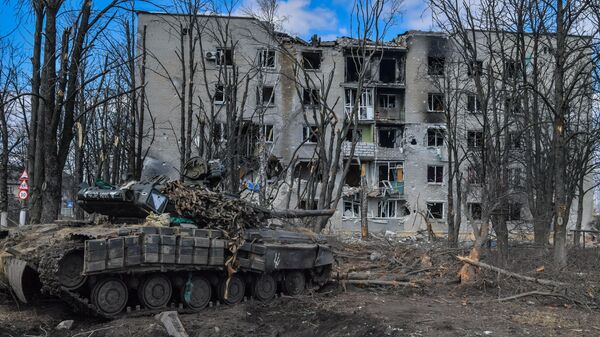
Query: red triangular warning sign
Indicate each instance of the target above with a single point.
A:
(24, 175)
(24, 186)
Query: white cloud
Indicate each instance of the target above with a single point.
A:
(298, 18)
(417, 14)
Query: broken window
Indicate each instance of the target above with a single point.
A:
(310, 133)
(219, 132)
(391, 177)
(475, 68)
(267, 58)
(474, 175)
(435, 137)
(475, 210)
(352, 132)
(473, 105)
(365, 108)
(310, 96)
(224, 56)
(435, 174)
(511, 69)
(219, 97)
(435, 102)
(352, 206)
(474, 139)
(354, 67)
(387, 137)
(265, 96)
(307, 170)
(311, 60)
(514, 211)
(435, 66)
(353, 176)
(387, 101)
(435, 210)
(387, 208)
(387, 70)
(267, 133)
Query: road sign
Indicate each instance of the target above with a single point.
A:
(24, 175)
(23, 195)
(24, 186)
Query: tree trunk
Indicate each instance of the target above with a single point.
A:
(560, 210)
(364, 207)
(452, 239)
(3, 162)
(46, 145)
(580, 200)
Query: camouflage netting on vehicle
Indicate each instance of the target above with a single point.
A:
(214, 210)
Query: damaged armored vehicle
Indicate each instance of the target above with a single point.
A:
(179, 245)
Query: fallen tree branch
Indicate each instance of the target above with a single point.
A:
(511, 274)
(533, 293)
(381, 283)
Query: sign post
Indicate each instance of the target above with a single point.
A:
(23, 195)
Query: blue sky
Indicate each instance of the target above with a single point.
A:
(300, 17)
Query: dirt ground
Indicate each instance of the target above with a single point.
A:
(429, 303)
(333, 312)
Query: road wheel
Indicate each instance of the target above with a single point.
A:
(110, 296)
(196, 293)
(294, 283)
(155, 291)
(235, 290)
(264, 287)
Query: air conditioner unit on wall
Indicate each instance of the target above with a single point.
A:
(211, 55)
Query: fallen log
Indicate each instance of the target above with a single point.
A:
(511, 274)
(355, 275)
(381, 283)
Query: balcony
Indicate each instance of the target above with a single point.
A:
(389, 114)
(372, 151)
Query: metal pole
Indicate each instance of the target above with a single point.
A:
(4, 219)
(23, 215)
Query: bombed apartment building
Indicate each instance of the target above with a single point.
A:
(262, 90)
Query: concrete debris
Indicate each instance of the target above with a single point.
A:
(65, 325)
(375, 256)
(170, 320)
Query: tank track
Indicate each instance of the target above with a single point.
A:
(47, 271)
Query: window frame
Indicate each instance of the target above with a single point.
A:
(262, 58)
(223, 60)
(219, 88)
(470, 207)
(477, 137)
(384, 210)
(311, 95)
(475, 102)
(386, 99)
(312, 68)
(436, 65)
(438, 132)
(473, 70)
(430, 214)
(308, 132)
(431, 102)
(438, 177)
(260, 96)
(354, 206)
